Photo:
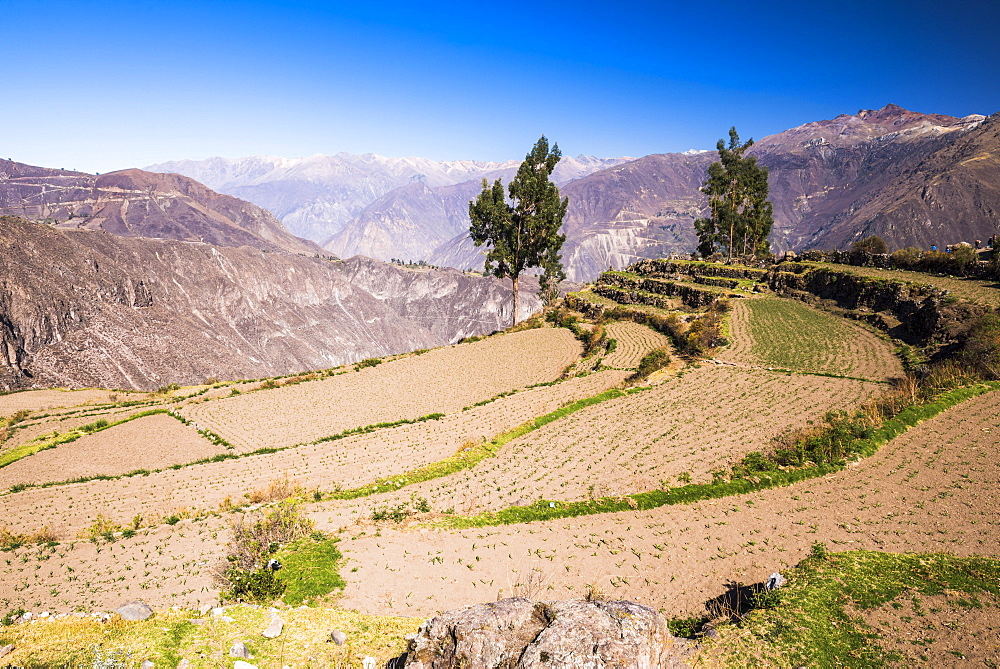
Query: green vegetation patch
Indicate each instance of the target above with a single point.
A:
(169, 636)
(309, 570)
(817, 618)
(790, 335)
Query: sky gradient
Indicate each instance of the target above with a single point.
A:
(99, 86)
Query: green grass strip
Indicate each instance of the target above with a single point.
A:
(697, 492)
(470, 456)
(55, 439)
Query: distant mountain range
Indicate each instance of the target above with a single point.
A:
(316, 197)
(911, 178)
(134, 203)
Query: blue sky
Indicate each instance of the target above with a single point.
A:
(98, 86)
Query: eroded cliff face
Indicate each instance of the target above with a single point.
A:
(88, 308)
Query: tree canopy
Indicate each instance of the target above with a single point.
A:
(524, 231)
(741, 215)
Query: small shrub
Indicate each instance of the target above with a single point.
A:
(818, 551)
(368, 362)
(254, 537)
(101, 526)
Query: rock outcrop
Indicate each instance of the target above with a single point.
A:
(87, 308)
(519, 634)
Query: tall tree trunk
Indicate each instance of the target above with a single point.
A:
(513, 317)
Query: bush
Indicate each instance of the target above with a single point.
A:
(254, 537)
(368, 362)
(652, 361)
(871, 245)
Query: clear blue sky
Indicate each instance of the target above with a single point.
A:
(106, 85)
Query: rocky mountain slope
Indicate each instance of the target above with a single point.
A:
(81, 307)
(133, 203)
(913, 179)
(316, 197)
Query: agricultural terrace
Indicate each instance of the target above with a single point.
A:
(350, 462)
(632, 342)
(439, 381)
(679, 431)
(936, 488)
(41, 400)
(787, 334)
(150, 442)
(44, 424)
(975, 290)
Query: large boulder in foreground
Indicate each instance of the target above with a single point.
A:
(517, 633)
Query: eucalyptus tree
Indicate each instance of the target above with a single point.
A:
(523, 231)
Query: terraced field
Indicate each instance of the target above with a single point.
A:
(787, 334)
(632, 342)
(443, 380)
(679, 431)
(936, 488)
(150, 442)
(974, 290)
(349, 462)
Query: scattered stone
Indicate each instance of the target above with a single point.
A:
(7, 650)
(274, 629)
(184, 663)
(197, 621)
(226, 619)
(240, 664)
(26, 616)
(338, 637)
(43, 614)
(218, 611)
(239, 649)
(368, 662)
(134, 611)
(204, 609)
(148, 664)
(520, 633)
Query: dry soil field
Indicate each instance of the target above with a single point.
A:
(936, 488)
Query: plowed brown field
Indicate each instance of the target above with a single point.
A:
(633, 342)
(706, 419)
(442, 380)
(150, 442)
(936, 488)
(349, 462)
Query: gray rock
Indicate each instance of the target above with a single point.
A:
(239, 649)
(134, 611)
(519, 634)
(774, 581)
(338, 637)
(6, 650)
(184, 663)
(240, 664)
(148, 664)
(274, 629)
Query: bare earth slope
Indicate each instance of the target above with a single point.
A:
(87, 308)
